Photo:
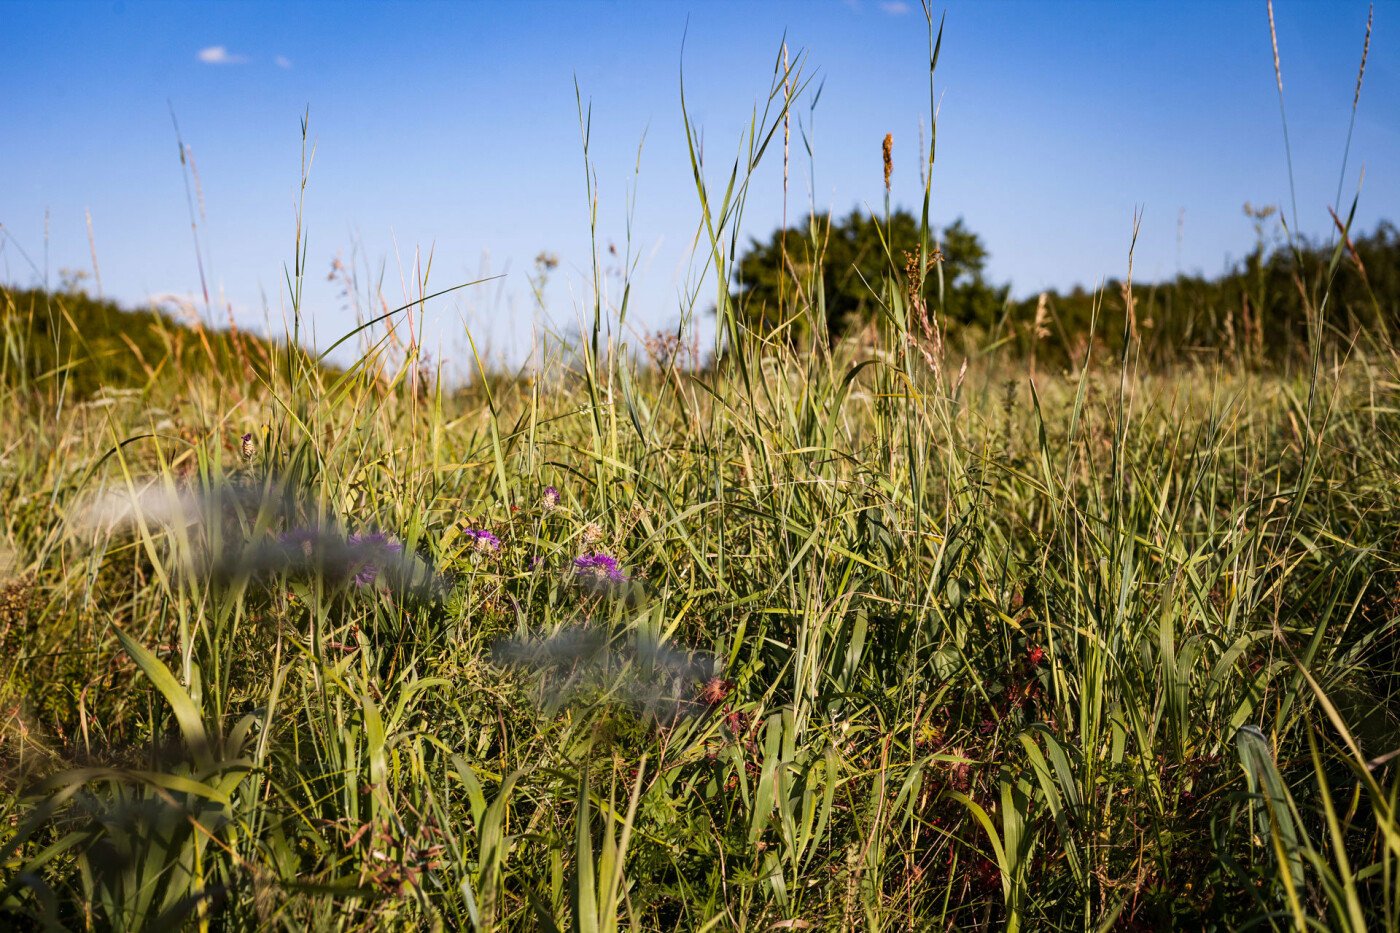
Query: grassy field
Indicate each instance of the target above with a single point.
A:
(808, 637)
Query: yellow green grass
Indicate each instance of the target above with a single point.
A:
(905, 640)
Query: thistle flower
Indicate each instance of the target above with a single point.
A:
(302, 541)
(246, 447)
(592, 533)
(550, 500)
(597, 565)
(598, 569)
(368, 552)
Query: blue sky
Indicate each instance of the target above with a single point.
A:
(452, 128)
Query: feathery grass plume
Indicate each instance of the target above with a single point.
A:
(1365, 51)
(1287, 147)
(1355, 103)
(887, 154)
(1039, 327)
(1273, 41)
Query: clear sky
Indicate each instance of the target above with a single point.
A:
(453, 128)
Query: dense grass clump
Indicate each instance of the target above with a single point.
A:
(822, 634)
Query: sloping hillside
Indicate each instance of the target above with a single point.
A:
(80, 344)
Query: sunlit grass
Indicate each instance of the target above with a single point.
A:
(851, 636)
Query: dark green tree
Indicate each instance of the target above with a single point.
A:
(839, 269)
(968, 298)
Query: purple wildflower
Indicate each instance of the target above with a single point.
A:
(369, 552)
(598, 569)
(484, 541)
(299, 542)
(550, 501)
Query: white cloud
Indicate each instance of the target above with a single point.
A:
(283, 61)
(894, 7)
(219, 55)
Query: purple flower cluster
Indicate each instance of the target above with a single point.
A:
(598, 568)
(369, 552)
(551, 499)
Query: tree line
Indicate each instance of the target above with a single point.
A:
(841, 275)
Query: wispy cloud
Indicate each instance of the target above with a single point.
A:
(282, 61)
(220, 55)
(894, 7)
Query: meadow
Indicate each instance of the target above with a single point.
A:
(868, 633)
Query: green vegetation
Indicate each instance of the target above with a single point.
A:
(869, 633)
(81, 345)
(1257, 312)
